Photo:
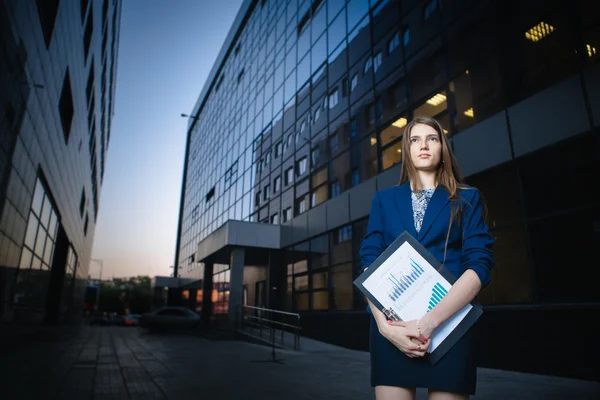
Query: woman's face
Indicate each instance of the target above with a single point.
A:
(425, 148)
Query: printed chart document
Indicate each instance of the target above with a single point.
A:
(406, 281)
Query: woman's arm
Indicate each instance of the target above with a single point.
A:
(460, 294)
(372, 244)
(476, 260)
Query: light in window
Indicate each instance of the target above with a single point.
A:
(400, 122)
(437, 100)
(539, 32)
(590, 50)
(469, 113)
(373, 141)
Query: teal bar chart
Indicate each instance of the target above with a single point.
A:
(437, 294)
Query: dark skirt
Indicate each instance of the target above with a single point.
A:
(455, 372)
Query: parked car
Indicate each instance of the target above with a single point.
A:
(170, 318)
(132, 320)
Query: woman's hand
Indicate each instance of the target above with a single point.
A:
(399, 335)
(424, 327)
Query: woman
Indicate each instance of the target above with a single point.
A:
(446, 217)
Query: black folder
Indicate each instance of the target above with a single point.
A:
(467, 322)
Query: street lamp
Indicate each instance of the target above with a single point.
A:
(101, 263)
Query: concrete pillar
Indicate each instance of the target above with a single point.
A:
(192, 299)
(207, 288)
(276, 281)
(236, 284)
(57, 277)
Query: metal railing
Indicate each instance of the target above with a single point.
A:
(270, 325)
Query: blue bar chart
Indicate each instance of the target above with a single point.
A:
(437, 294)
(401, 283)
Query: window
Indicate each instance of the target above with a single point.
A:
(406, 36)
(355, 177)
(430, 8)
(319, 195)
(65, 106)
(301, 166)
(84, 7)
(394, 43)
(343, 234)
(275, 219)
(353, 83)
(87, 36)
(277, 184)
(231, 175)
(336, 188)
(368, 65)
(287, 214)
(47, 11)
(82, 203)
(89, 90)
(301, 205)
(314, 156)
(317, 115)
(278, 148)
(210, 194)
(267, 157)
(38, 250)
(334, 143)
(289, 176)
(377, 61)
(266, 193)
(195, 213)
(240, 76)
(352, 132)
(257, 199)
(333, 99)
(85, 224)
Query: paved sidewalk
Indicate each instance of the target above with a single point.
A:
(130, 363)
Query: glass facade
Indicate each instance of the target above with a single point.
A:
(312, 99)
(58, 77)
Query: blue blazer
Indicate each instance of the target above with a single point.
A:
(469, 245)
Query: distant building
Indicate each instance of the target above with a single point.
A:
(58, 78)
(301, 121)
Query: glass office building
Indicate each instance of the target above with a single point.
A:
(301, 121)
(58, 78)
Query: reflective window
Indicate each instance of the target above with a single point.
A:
(394, 43)
(337, 31)
(37, 253)
(391, 155)
(394, 131)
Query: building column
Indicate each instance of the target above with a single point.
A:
(207, 288)
(236, 285)
(57, 276)
(276, 281)
(192, 299)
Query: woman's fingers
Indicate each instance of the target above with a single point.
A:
(397, 323)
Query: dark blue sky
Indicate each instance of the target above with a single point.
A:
(166, 51)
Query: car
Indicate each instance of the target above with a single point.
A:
(132, 320)
(170, 317)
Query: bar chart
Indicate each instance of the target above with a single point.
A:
(437, 294)
(401, 283)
